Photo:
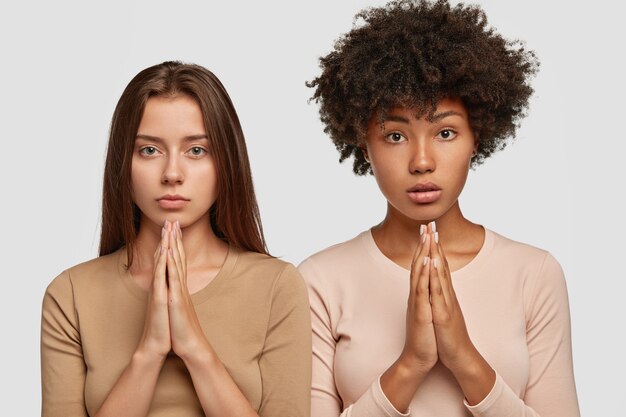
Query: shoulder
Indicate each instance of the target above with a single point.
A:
(85, 277)
(519, 253)
(539, 265)
(335, 257)
(508, 247)
(87, 272)
(266, 270)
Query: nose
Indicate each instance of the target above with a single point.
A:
(173, 173)
(422, 158)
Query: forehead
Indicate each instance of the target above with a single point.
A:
(165, 115)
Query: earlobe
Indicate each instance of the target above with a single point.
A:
(476, 142)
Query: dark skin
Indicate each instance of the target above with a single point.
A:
(395, 237)
(425, 232)
(416, 52)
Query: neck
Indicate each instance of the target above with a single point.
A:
(397, 235)
(202, 247)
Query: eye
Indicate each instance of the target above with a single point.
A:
(197, 151)
(395, 137)
(148, 150)
(446, 134)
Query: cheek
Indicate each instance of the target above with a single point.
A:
(140, 180)
(137, 177)
(457, 168)
(208, 178)
(389, 171)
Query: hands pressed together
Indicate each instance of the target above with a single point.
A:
(171, 321)
(435, 325)
(435, 328)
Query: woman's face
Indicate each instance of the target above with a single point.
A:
(173, 175)
(421, 165)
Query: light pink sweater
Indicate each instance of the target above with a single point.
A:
(515, 305)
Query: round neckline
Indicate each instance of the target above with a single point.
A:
(197, 297)
(468, 269)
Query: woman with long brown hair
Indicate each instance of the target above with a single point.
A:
(184, 312)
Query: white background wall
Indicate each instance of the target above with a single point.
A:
(65, 63)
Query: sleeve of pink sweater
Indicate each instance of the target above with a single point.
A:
(550, 391)
(325, 401)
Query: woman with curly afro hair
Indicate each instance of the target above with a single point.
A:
(417, 94)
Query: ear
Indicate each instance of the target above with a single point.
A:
(365, 154)
(476, 143)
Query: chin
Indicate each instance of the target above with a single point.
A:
(422, 212)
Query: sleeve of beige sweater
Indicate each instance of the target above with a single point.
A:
(550, 391)
(287, 347)
(62, 365)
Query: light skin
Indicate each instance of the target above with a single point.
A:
(429, 238)
(176, 254)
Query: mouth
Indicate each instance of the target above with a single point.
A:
(424, 193)
(172, 202)
(424, 187)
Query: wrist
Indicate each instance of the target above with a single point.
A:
(475, 377)
(411, 365)
(145, 358)
(201, 354)
(466, 363)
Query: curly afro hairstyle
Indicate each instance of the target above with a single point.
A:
(412, 54)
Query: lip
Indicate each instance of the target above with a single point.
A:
(172, 201)
(424, 193)
(424, 186)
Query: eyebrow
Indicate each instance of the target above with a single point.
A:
(440, 116)
(160, 140)
(395, 118)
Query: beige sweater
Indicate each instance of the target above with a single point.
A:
(255, 314)
(515, 305)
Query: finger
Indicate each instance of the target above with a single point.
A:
(172, 274)
(420, 243)
(158, 249)
(181, 250)
(417, 263)
(443, 279)
(422, 290)
(444, 258)
(175, 245)
(437, 299)
(444, 275)
(159, 280)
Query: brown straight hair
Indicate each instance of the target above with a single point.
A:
(235, 214)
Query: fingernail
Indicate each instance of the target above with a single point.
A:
(177, 224)
(162, 231)
(422, 229)
(435, 263)
(434, 226)
(425, 260)
(174, 234)
(437, 237)
(165, 223)
(423, 238)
